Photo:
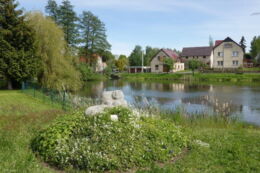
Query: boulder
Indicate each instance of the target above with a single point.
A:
(93, 110)
(109, 99)
(113, 98)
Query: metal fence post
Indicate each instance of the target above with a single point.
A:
(34, 91)
(63, 101)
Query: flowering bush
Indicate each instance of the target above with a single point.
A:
(96, 143)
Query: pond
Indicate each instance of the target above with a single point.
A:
(191, 98)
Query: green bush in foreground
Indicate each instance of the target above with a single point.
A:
(97, 143)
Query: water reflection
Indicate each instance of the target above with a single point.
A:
(193, 98)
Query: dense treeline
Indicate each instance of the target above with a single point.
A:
(47, 49)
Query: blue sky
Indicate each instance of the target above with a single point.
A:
(168, 23)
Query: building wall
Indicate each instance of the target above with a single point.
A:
(228, 48)
(156, 61)
(178, 67)
(204, 59)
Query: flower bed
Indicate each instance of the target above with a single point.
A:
(97, 143)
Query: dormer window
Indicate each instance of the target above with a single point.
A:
(227, 45)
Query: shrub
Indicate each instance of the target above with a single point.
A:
(95, 143)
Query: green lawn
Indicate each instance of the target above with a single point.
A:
(20, 118)
(198, 77)
(233, 147)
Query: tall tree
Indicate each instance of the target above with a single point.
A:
(122, 63)
(93, 34)
(149, 53)
(135, 58)
(67, 19)
(253, 49)
(211, 42)
(243, 43)
(58, 70)
(52, 10)
(17, 54)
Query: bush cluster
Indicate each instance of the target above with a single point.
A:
(96, 143)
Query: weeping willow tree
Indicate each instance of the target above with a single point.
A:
(58, 70)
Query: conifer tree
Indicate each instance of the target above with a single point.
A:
(68, 21)
(17, 41)
(52, 10)
(93, 34)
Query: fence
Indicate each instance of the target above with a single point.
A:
(59, 99)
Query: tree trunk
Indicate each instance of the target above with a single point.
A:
(10, 85)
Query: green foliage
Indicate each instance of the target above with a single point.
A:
(194, 64)
(149, 54)
(93, 34)
(135, 58)
(255, 47)
(86, 71)
(122, 63)
(53, 10)
(168, 62)
(96, 143)
(18, 61)
(243, 43)
(67, 20)
(58, 71)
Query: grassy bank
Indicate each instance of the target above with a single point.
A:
(233, 146)
(207, 77)
(21, 117)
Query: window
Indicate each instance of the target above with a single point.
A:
(220, 54)
(235, 54)
(156, 67)
(204, 57)
(235, 63)
(187, 57)
(220, 63)
(228, 45)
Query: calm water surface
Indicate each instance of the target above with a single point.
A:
(231, 100)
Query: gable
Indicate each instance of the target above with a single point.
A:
(226, 41)
(166, 53)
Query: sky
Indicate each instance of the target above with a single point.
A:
(168, 23)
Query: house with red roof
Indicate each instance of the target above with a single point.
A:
(158, 65)
(224, 54)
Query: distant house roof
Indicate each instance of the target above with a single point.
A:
(218, 42)
(228, 39)
(196, 51)
(170, 53)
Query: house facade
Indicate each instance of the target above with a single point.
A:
(202, 54)
(225, 54)
(158, 65)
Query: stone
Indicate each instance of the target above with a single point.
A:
(114, 117)
(114, 98)
(109, 99)
(117, 95)
(202, 144)
(93, 110)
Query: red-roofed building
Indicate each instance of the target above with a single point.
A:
(218, 42)
(158, 65)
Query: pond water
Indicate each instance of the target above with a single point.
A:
(227, 99)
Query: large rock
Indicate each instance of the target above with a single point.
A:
(113, 98)
(109, 99)
(93, 110)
